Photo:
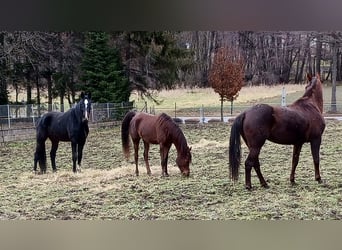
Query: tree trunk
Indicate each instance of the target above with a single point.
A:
(49, 89)
(28, 98)
(61, 98)
(38, 93)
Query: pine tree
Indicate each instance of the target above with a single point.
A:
(153, 60)
(102, 70)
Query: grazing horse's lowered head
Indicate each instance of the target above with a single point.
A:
(159, 129)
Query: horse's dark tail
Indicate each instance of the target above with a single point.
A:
(125, 133)
(235, 147)
(40, 154)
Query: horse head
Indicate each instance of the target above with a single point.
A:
(85, 105)
(313, 90)
(183, 161)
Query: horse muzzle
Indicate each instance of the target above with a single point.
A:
(186, 173)
(86, 116)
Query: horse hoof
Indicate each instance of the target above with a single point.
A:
(319, 181)
(265, 186)
(248, 187)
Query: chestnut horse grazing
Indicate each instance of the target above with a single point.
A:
(160, 130)
(295, 124)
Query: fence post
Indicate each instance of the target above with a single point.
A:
(201, 114)
(175, 110)
(283, 97)
(107, 110)
(9, 116)
(92, 114)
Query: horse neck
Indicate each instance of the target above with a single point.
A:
(77, 113)
(178, 139)
(317, 98)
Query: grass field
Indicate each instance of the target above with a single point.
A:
(107, 188)
(207, 98)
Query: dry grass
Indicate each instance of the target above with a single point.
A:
(196, 97)
(107, 187)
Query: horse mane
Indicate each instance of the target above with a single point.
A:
(76, 110)
(169, 126)
(312, 95)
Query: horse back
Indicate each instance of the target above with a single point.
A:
(294, 125)
(145, 126)
(61, 126)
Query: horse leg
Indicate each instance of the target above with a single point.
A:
(40, 157)
(252, 161)
(295, 158)
(80, 155)
(136, 150)
(53, 151)
(146, 149)
(315, 146)
(164, 155)
(74, 156)
(263, 183)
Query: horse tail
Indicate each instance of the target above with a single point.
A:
(125, 132)
(235, 147)
(40, 154)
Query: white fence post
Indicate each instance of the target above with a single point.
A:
(201, 114)
(9, 116)
(283, 97)
(107, 110)
(92, 114)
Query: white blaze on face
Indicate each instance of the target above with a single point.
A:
(86, 108)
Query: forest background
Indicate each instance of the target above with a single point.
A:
(111, 65)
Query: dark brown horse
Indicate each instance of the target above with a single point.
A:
(58, 126)
(160, 130)
(295, 124)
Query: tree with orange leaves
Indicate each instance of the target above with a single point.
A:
(226, 75)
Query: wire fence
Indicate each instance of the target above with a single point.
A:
(21, 116)
(17, 122)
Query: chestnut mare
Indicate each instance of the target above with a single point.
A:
(295, 124)
(160, 130)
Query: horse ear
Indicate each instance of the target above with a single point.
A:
(309, 76)
(89, 95)
(82, 95)
(318, 77)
